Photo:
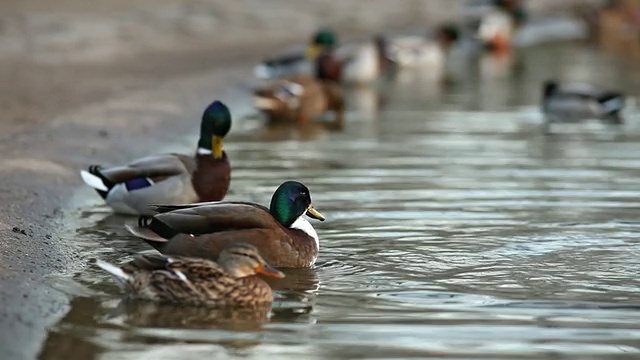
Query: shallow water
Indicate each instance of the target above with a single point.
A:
(455, 228)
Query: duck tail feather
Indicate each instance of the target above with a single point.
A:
(117, 272)
(94, 181)
(612, 103)
(145, 234)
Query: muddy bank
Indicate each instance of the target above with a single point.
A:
(108, 82)
(39, 175)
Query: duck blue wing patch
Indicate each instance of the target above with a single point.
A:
(139, 183)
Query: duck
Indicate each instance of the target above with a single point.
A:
(231, 282)
(298, 99)
(574, 102)
(498, 27)
(297, 60)
(169, 178)
(356, 64)
(281, 233)
(421, 52)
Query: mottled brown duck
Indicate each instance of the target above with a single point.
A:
(229, 282)
(299, 99)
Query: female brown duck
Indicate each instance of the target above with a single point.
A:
(170, 178)
(300, 99)
(281, 233)
(230, 282)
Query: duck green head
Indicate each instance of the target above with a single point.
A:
(290, 201)
(322, 39)
(216, 123)
(325, 37)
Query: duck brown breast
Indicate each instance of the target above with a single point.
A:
(211, 177)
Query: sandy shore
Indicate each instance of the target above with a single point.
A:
(78, 80)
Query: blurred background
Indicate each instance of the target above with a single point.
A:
(106, 47)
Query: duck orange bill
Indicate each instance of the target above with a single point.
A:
(269, 271)
(311, 212)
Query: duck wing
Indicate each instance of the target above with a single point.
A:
(211, 218)
(585, 90)
(163, 208)
(156, 167)
(183, 268)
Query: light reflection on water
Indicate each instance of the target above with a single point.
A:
(455, 228)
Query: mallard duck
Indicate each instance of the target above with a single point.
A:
(497, 28)
(573, 102)
(354, 64)
(170, 178)
(299, 99)
(495, 32)
(419, 52)
(198, 282)
(281, 233)
(297, 61)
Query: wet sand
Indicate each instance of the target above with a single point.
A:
(74, 90)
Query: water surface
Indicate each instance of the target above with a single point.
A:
(455, 228)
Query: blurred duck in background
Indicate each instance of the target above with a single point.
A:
(358, 63)
(577, 101)
(299, 99)
(438, 57)
(502, 25)
(297, 61)
(497, 27)
(423, 52)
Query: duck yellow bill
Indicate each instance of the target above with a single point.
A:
(269, 271)
(312, 52)
(217, 147)
(312, 212)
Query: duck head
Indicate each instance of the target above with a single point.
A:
(549, 88)
(291, 201)
(216, 123)
(241, 260)
(323, 39)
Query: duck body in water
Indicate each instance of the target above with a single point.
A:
(299, 99)
(356, 64)
(190, 281)
(423, 51)
(575, 102)
(169, 178)
(281, 233)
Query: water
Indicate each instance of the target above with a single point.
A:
(455, 228)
